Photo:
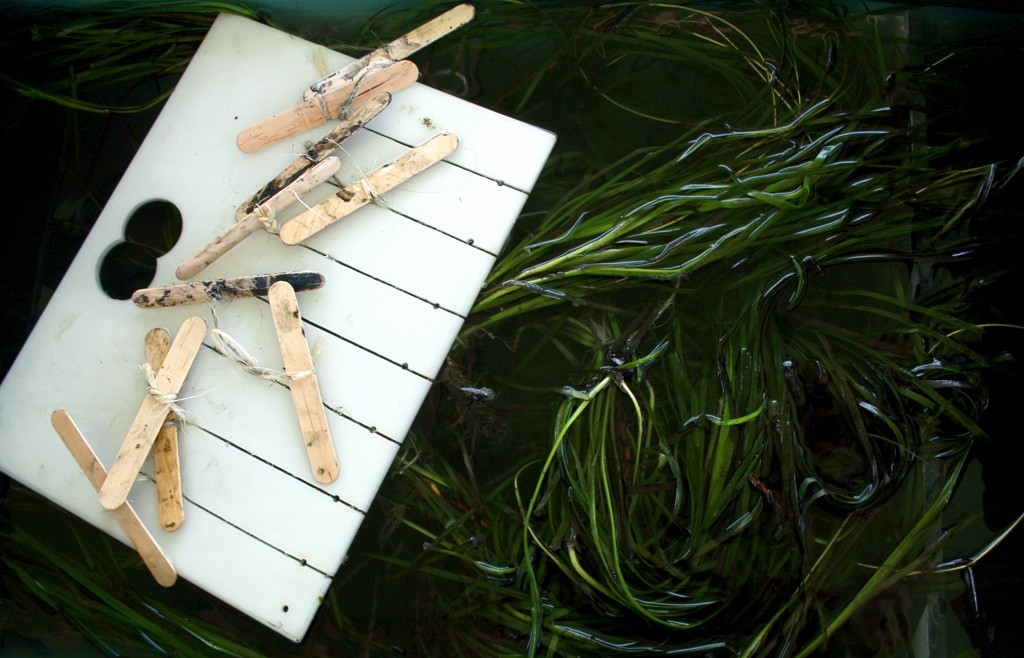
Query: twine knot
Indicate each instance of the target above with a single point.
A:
(163, 397)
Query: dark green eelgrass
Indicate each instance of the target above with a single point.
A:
(738, 310)
(84, 596)
(114, 46)
(776, 409)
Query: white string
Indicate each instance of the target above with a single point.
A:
(302, 203)
(344, 106)
(372, 195)
(368, 190)
(267, 216)
(163, 397)
(225, 345)
(322, 102)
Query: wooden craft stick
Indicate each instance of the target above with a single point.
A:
(361, 192)
(150, 417)
(398, 49)
(251, 223)
(170, 507)
(155, 559)
(349, 124)
(309, 407)
(209, 291)
(390, 77)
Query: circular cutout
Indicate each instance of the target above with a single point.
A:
(156, 224)
(151, 231)
(126, 268)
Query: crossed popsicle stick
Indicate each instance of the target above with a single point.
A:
(355, 94)
(172, 364)
(156, 560)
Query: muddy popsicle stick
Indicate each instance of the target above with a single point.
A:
(389, 77)
(155, 559)
(150, 417)
(358, 194)
(199, 292)
(400, 48)
(251, 223)
(170, 507)
(309, 406)
(349, 124)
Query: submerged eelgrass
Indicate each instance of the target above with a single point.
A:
(783, 391)
(80, 56)
(781, 385)
(767, 375)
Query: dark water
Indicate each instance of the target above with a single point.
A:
(65, 167)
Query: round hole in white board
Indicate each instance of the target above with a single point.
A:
(150, 232)
(126, 268)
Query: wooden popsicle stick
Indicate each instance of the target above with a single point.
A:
(349, 124)
(389, 77)
(400, 48)
(377, 182)
(152, 555)
(240, 230)
(199, 292)
(150, 417)
(309, 406)
(170, 506)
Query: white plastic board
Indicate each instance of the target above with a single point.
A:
(259, 531)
